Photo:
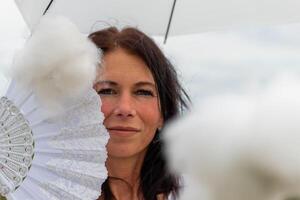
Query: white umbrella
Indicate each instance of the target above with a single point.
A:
(161, 17)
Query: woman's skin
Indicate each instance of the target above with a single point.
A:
(131, 108)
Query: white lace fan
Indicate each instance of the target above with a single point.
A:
(52, 140)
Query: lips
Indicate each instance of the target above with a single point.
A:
(123, 130)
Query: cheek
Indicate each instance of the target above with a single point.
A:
(106, 107)
(150, 113)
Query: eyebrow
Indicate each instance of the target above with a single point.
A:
(107, 82)
(141, 83)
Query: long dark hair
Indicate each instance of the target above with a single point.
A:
(155, 178)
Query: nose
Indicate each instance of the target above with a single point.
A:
(125, 106)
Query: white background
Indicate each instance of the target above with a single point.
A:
(208, 63)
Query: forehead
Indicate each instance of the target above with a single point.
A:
(120, 65)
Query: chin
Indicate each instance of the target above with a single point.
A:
(123, 150)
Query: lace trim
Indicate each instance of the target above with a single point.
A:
(68, 152)
(16, 146)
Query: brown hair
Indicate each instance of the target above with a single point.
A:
(155, 177)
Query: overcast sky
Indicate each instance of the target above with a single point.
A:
(208, 63)
(12, 34)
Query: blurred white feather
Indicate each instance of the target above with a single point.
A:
(241, 146)
(58, 63)
(52, 138)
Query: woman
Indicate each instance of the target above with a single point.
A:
(140, 92)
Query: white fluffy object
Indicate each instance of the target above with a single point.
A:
(241, 147)
(57, 63)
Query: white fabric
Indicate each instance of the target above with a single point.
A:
(68, 151)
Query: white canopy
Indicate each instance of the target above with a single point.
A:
(152, 16)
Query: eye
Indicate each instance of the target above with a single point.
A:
(144, 92)
(107, 91)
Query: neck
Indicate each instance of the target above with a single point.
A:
(125, 174)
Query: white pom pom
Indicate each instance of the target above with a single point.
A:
(57, 62)
(241, 146)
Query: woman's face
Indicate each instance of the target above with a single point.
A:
(130, 103)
